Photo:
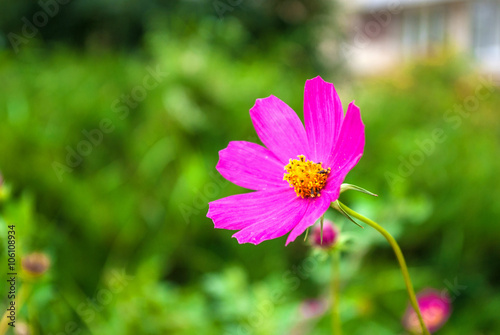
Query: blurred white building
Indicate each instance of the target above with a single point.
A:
(385, 33)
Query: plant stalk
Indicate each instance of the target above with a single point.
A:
(399, 256)
(335, 288)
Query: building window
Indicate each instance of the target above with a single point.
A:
(412, 31)
(437, 26)
(486, 30)
(423, 30)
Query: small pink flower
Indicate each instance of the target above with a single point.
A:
(312, 308)
(310, 311)
(299, 171)
(330, 235)
(435, 308)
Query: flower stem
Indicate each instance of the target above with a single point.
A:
(335, 287)
(399, 256)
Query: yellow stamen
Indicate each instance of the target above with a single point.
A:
(308, 178)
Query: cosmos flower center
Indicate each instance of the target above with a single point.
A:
(306, 177)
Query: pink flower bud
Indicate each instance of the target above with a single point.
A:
(330, 235)
(21, 328)
(313, 308)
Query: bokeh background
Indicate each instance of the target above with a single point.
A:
(112, 114)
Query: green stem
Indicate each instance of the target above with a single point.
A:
(400, 257)
(337, 327)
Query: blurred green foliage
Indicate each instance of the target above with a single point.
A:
(124, 225)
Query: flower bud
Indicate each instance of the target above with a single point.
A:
(435, 308)
(21, 328)
(313, 308)
(35, 264)
(330, 235)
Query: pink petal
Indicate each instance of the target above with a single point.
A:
(243, 210)
(435, 308)
(279, 128)
(335, 179)
(251, 166)
(275, 220)
(323, 116)
(350, 144)
(317, 207)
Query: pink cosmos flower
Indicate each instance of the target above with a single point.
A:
(297, 174)
(435, 308)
